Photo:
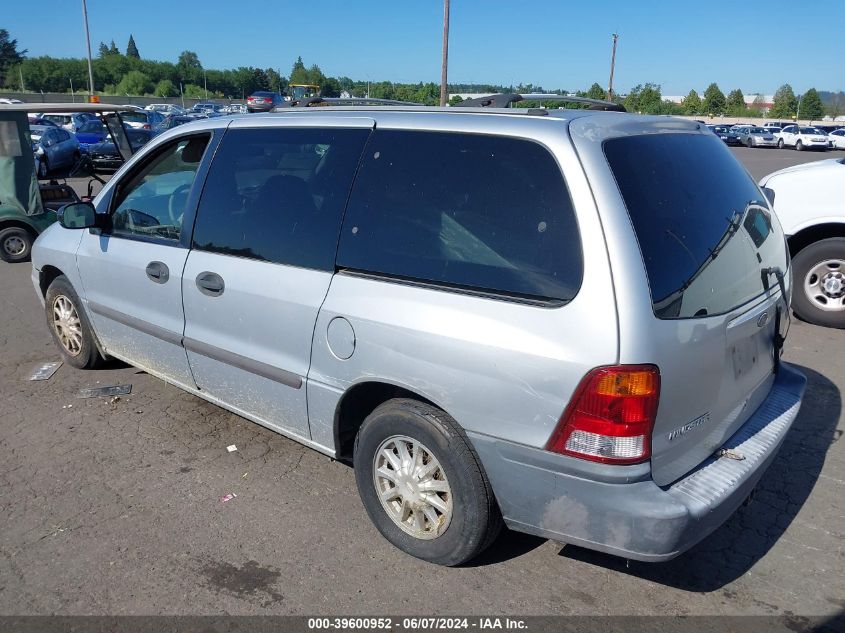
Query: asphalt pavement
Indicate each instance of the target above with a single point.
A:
(113, 506)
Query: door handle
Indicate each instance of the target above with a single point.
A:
(210, 284)
(158, 272)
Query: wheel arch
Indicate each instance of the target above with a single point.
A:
(6, 223)
(357, 403)
(47, 275)
(812, 234)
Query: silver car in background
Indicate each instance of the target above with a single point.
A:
(567, 323)
(757, 137)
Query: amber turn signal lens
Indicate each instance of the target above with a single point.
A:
(635, 383)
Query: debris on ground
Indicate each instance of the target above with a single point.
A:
(67, 406)
(228, 497)
(231, 448)
(99, 392)
(114, 400)
(45, 371)
(244, 475)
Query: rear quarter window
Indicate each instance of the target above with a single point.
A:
(476, 212)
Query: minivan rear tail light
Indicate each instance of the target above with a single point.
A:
(611, 416)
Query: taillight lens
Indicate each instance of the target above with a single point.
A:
(268, 100)
(611, 416)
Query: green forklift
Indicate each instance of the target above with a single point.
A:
(27, 205)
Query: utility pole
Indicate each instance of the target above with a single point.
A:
(612, 68)
(445, 63)
(90, 65)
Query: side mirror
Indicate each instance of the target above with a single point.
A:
(77, 215)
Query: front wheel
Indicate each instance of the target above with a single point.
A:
(819, 295)
(69, 326)
(780, 143)
(423, 485)
(748, 143)
(15, 244)
(799, 146)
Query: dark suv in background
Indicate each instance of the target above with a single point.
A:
(264, 101)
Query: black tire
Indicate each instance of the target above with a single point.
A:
(799, 146)
(88, 356)
(780, 143)
(804, 262)
(16, 244)
(748, 143)
(475, 519)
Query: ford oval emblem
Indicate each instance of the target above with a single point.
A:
(762, 319)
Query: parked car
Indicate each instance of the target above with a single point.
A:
(837, 139)
(808, 200)
(91, 133)
(54, 148)
(757, 137)
(235, 108)
(802, 137)
(166, 108)
(207, 108)
(172, 121)
(104, 155)
(774, 130)
(482, 338)
(71, 121)
(724, 133)
(39, 120)
(142, 119)
(263, 101)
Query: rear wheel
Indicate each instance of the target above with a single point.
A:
(15, 244)
(422, 483)
(799, 145)
(819, 295)
(70, 327)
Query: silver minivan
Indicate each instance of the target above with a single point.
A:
(568, 322)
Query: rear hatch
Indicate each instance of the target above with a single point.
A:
(711, 248)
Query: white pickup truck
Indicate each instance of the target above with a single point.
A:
(809, 200)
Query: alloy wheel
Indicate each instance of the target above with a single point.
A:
(67, 325)
(824, 285)
(412, 487)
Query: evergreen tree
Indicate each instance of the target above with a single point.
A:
(113, 49)
(132, 49)
(692, 103)
(785, 104)
(103, 50)
(736, 103)
(714, 100)
(811, 106)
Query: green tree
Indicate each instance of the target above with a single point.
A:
(811, 105)
(735, 104)
(298, 73)
(134, 83)
(193, 91)
(646, 99)
(785, 104)
(113, 49)
(9, 54)
(189, 67)
(132, 49)
(165, 88)
(103, 50)
(691, 103)
(596, 92)
(714, 100)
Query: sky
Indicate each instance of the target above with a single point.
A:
(753, 45)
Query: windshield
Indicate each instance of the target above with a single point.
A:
(810, 130)
(704, 227)
(757, 130)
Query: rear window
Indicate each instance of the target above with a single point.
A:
(476, 212)
(704, 228)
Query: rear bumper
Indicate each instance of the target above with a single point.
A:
(619, 509)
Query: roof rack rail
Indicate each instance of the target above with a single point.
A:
(311, 102)
(504, 100)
